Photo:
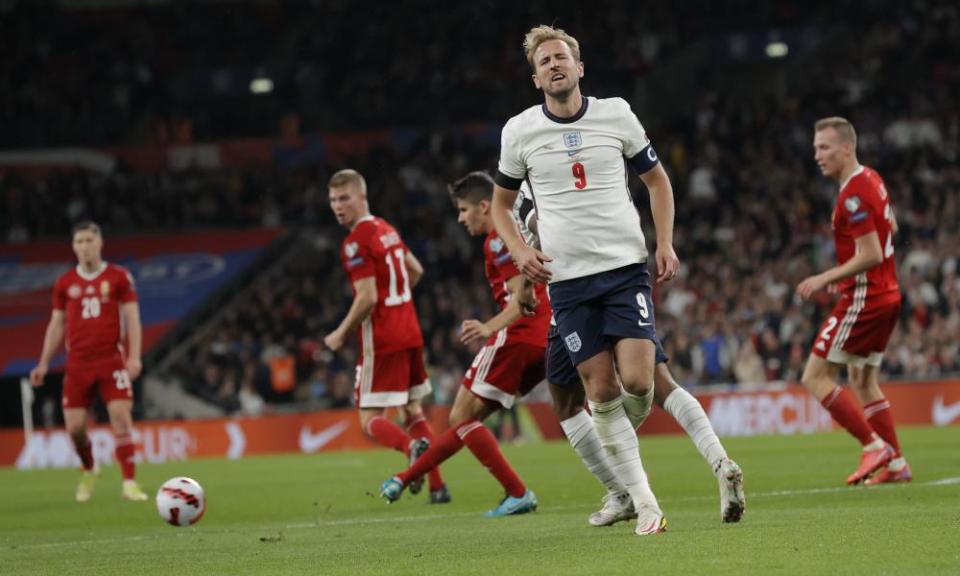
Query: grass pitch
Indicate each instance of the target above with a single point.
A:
(319, 515)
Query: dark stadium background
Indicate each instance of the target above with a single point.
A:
(269, 98)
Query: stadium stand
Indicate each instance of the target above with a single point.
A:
(751, 210)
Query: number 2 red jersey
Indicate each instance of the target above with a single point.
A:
(373, 248)
(499, 268)
(91, 303)
(863, 206)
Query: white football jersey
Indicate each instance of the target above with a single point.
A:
(575, 170)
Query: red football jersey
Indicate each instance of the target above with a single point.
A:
(863, 206)
(499, 268)
(92, 307)
(373, 248)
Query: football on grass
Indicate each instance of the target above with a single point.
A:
(181, 502)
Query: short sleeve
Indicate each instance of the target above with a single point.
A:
(126, 288)
(59, 295)
(357, 260)
(501, 259)
(633, 135)
(510, 169)
(857, 216)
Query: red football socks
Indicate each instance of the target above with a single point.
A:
(844, 409)
(124, 453)
(85, 452)
(881, 419)
(418, 427)
(388, 434)
(483, 444)
(443, 447)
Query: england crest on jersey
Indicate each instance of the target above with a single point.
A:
(572, 140)
(573, 342)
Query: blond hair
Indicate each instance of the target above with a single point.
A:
(540, 34)
(842, 126)
(348, 177)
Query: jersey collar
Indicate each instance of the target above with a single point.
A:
(571, 119)
(359, 221)
(856, 172)
(88, 276)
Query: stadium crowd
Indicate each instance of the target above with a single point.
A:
(753, 217)
(182, 71)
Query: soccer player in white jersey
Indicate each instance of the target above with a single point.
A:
(571, 151)
(568, 399)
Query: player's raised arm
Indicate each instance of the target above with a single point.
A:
(51, 342)
(361, 307)
(661, 206)
(131, 319)
(529, 260)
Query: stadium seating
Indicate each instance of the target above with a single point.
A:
(752, 213)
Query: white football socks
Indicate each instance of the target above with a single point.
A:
(583, 438)
(622, 450)
(688, 412)
(637, 407)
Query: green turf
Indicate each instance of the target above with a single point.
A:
(317, 515)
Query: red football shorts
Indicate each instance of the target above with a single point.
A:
(504, 369)
(856, 333)
(109, 378)
(392, 379)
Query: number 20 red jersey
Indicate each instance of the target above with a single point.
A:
(374, 248)
(863, 206)
(91, 303)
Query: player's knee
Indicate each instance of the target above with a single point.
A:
(457, 417)
(638, 386)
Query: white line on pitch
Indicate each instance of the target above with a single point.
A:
(429, 517)
(773, 494)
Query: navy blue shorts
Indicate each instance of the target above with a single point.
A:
(596, 311)
(560, 369)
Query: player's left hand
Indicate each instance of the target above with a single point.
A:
(810, 285)
(667, 263)
(473, 330)
(333, 341)
(134, 367)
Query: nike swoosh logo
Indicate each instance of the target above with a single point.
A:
(943, 414)
(310, 442)
(644, 324)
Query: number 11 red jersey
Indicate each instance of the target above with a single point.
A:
(374, 248)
